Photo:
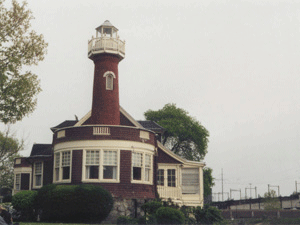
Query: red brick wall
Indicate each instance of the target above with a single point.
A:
(105, 106)
(116, 133)
(124, 121)
(124, 189)
(165, 158)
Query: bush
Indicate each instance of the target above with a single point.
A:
(74, 203)
(187, 212)
(23, 202)
(207, 215)
(126, 220)
(151, 207)
(7, 198)
(167, 215)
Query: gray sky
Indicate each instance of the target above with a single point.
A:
(232, 64)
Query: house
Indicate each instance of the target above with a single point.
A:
(107, 147)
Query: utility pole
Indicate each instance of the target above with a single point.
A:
(255, 188)
(231, 190)
(222, 187)
(296, 186)
(273, 186)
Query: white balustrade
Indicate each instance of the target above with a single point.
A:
(106, 44)
(169, 192)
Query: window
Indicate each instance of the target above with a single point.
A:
(171, 178)
(190, 181)
(137, 163)
(110, 165)
(109, 75)
(38, 171)
(101, 165)
(65, 163)
(92, 164)
(18, 182)
(141, 167)
(160, 177)
(62, 166)
(147, 167)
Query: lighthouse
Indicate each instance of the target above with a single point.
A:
(106, 50)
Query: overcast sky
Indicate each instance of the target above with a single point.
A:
(232, 64)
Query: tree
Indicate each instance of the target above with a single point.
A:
(271, 202)
(184, 135)
(208, 181)
(19, 46)
(9, 148)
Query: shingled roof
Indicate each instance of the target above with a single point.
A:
(41, 150)
(66, 123)
(151, 125)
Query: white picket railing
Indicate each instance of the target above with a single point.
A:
(169, 192)
(106, 44)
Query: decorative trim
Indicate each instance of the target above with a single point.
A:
(144, 135)
(101, 130)
(61, 133)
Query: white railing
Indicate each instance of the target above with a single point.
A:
(104, 44)
(169, 192)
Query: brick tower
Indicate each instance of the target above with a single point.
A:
(106, 51)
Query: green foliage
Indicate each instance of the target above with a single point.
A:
(151, 207)
(271, 202)
(167, 215)
(24, 202)
(9, 148)
(19, 46)
(74, 203)
(208, 215)
(126, 220)
(208, 181)
(184, 135)
(188, 212)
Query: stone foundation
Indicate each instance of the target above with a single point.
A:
(125, 207)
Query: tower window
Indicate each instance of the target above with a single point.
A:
(109, 75)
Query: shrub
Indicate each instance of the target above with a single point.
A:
(126, 220)
(74, 203)
(187, 212)
(7, 198)
(23, 202)
(208, 215)
(167, 215)
(151, 207)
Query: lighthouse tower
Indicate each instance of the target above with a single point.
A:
(106, 50)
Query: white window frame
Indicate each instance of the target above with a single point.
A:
(101, 167)
(143, 168)
(18, 174)
(59, 167)
(165, 168)
(39, 174)
(109, 83)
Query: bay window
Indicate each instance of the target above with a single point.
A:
(110, 165)
(137, 164)
(62, 166)
(92, 164)
(101, 165)
(141, 167)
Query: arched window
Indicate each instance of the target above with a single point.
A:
(109, 80)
